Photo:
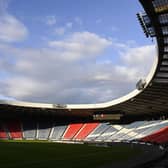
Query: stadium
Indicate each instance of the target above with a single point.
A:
(137, 120)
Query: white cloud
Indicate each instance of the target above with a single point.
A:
(81, 44)
(50, 20)
(67, 71)
(11, 29)
(139, 57)
(128, 56)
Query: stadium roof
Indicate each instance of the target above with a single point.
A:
(149, 98)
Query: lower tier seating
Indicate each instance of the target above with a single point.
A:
(86, 130)
(3, 134)
(97, 132)
(150, 128)
(72, 130)
(147, 131)
(14, 129)
(29, 130)
(105, 136)
(44, 129)
(57, 132)
(160, 136)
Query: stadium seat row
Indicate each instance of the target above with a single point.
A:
(148, 131)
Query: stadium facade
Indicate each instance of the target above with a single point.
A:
(123, 119)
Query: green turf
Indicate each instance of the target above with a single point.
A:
(14, 154)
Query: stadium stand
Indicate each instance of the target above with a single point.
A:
(29, 129)
(96, 133)
(14, 129)
(72, 130)
(57, 132)
(122, 132)
(147, 131)
(150, 128)
(108, 133)
(160, 136)
(134, 131)
(129, 130)
(85, 131)
(44, 129)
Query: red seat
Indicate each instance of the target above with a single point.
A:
(86, 130)
(160, 136)
(72, 130)
(15, 130)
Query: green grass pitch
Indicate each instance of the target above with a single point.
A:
(31, 154)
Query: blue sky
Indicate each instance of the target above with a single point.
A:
(115, 19)
(76, 51)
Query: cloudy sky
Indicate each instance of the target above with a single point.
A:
(71, 51)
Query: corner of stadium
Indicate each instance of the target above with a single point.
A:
(131, 131)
